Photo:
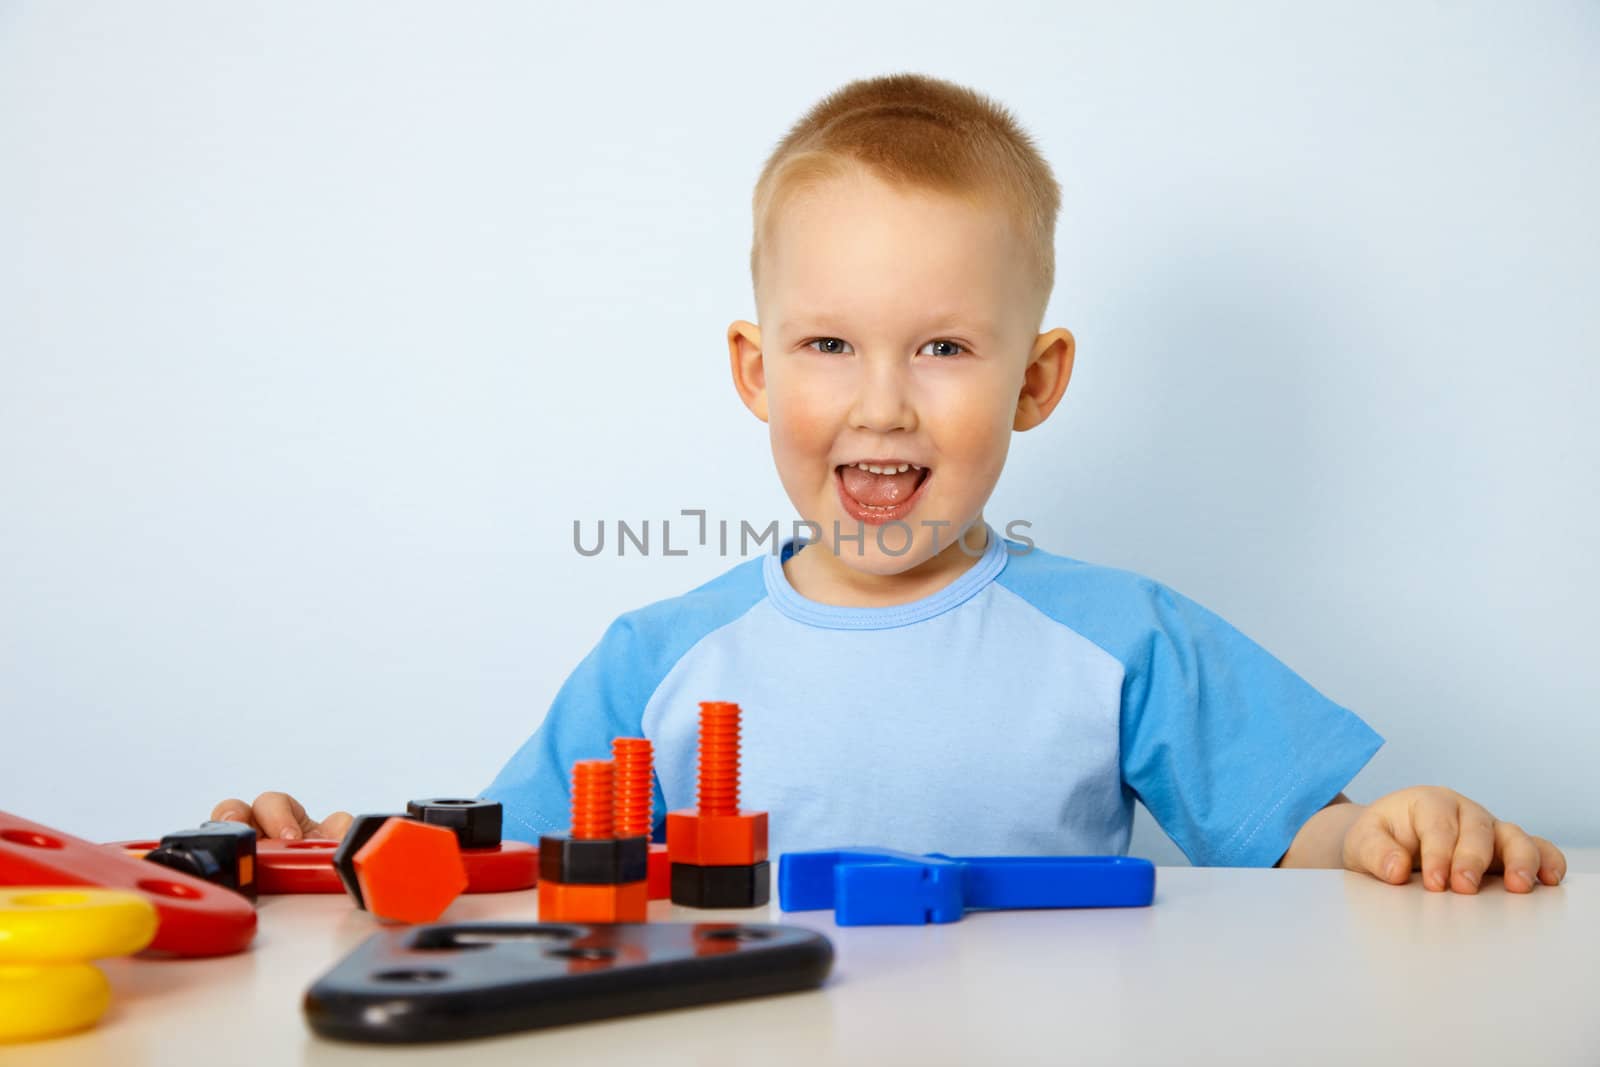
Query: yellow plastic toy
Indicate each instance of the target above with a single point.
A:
(44, 1000)
(47, 936)
(72, 925)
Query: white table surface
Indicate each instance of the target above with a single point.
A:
(1229, 966)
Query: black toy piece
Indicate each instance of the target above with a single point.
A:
(458, 980)
(476, 822)
(745, 886)
(362, 827)
(223, 853)
(605, 861)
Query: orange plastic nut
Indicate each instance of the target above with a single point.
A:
(562, 903)
(410, 871)
(717, 840)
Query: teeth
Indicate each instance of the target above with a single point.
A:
(900, 469)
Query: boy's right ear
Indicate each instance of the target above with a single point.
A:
(749, 371)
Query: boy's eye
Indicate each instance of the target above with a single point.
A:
(833, 346)
(827, 341)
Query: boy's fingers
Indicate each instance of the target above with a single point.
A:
(234, 810)
(1377, 853)
(1437, 829)
(280, 815)
(1474, 848)
(1552, 862)
(333, 826)
(1519, 855)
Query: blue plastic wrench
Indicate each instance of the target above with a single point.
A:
(873, 886)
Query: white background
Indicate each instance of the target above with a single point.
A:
(319, 325)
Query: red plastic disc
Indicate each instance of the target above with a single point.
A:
(197, 918)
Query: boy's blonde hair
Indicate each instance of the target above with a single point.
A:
(921, 132)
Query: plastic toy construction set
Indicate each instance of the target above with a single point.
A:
(593, 952)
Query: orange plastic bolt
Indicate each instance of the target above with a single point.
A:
(592, 799)
(633, 758)
(716, 833)
(719, 757)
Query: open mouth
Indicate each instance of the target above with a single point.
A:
(879, 491)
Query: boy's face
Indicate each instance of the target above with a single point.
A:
(895, 334)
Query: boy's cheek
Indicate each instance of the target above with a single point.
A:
(800, 432)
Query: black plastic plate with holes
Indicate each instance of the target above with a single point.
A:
(448, 981)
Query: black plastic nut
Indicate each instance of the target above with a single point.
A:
(199, 863)
(362, 827)
(223, 853)
(721, 887)
(603, 861)
(476, 821)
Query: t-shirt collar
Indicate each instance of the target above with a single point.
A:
(815, 613)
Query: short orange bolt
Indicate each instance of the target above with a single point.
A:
(593, 804)
(633, 758)
(716, 833)
(593, 853)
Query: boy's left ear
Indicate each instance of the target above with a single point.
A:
(1049, 370)
(749, 369)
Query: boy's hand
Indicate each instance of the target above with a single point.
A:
(1452, 839)
(280, 815)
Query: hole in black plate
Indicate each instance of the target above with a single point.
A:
(417, 975)
(738, 933)
(440, 939)
(583, 953)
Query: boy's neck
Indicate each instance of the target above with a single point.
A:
(820, 575)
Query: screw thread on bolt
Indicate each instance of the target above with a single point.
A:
(633, 759)
(592, 799)
(719, 757)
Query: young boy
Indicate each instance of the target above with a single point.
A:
(909, 678)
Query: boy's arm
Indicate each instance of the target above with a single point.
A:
(1231, 751)
(1451, 839)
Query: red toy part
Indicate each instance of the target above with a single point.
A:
(717, 840)
(626, 903)
(197, 918)
(509, 866)
(307, 866)
(660, 877)
(303, 866)
(410, 871)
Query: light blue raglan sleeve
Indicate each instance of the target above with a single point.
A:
(603, 698)
(1229, 749)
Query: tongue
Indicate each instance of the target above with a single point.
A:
(879, 490)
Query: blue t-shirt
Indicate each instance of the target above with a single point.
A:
(1019, 710)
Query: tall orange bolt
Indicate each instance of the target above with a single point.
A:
(719, 757)
(593, 803)
(633, 758)
(715, 833)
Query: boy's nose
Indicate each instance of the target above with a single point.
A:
(883, 398)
